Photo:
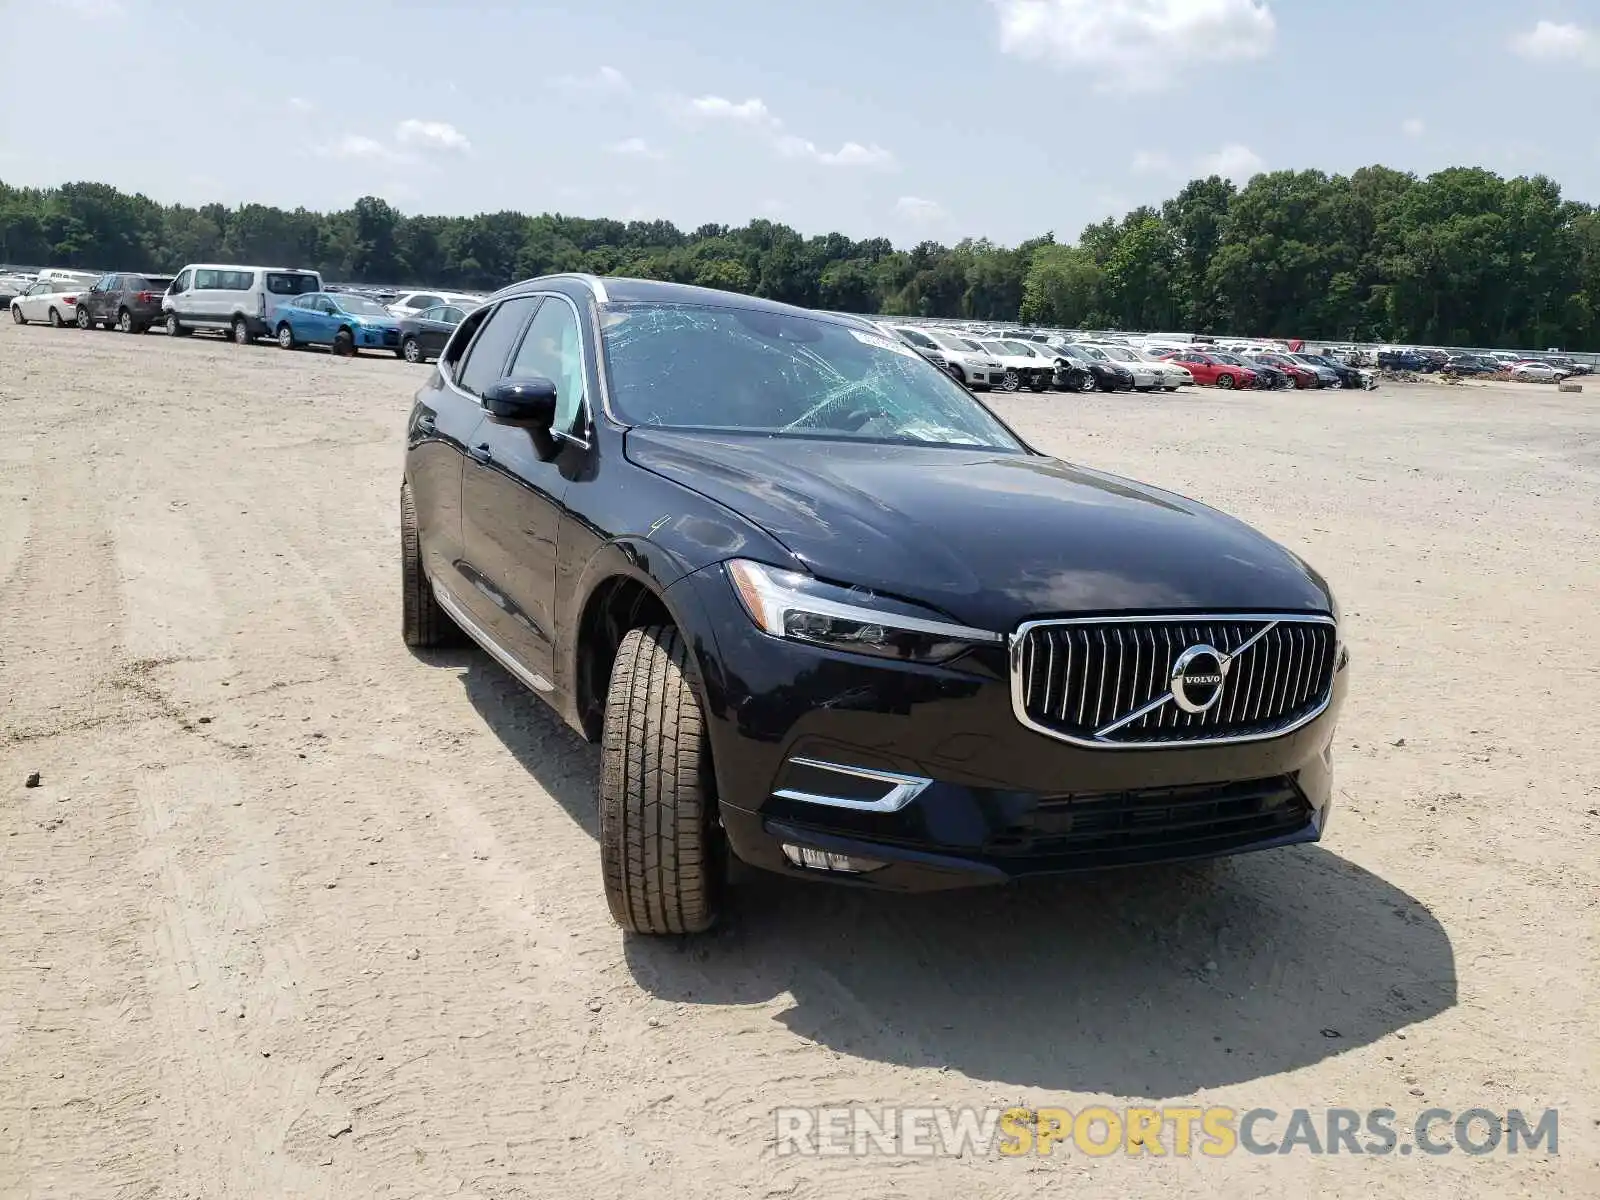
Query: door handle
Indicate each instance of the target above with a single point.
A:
(481, 453)
(426, 425)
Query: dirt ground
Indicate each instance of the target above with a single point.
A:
(293, 912)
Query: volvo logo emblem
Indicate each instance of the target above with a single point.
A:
(1197, 678)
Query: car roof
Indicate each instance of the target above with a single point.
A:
(622, 290)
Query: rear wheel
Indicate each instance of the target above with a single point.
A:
(83, 319)
(241, 332)
(55, 319)
(125, 322)
(422, 621)
(411, 350)
(660, 855)
(286, 336)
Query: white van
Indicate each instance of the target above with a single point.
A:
(232, 299)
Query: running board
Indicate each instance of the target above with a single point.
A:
(530, 679)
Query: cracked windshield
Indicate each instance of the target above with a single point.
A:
(748, 371)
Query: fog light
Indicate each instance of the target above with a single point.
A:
(824, 860)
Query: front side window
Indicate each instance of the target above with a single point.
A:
(552, 348)
(181, 283)
(685, 366)
(486, 359)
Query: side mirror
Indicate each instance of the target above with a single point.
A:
(528, 401)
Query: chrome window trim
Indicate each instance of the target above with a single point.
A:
(448, 375)
(1097, 742)
(903, 790)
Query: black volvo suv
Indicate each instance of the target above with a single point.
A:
(825, 612)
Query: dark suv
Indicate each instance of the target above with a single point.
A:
(131, 303)
(824, 611)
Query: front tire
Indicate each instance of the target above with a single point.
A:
(423, 622)
(175, 327)
(659, 854)
(16, 315)
(1225, 382)
(344, 343)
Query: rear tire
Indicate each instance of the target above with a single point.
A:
(125, 322)
(660, 856)
(241, 332)
(286, 336)
(83, 320)
(411, 350)
(423, 622)
(55, 319)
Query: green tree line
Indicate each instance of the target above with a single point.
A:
(1460, 257)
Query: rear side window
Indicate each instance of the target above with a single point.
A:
(291, 283)
(486, 360)
(425, 301)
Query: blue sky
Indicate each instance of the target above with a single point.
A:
(905, 118)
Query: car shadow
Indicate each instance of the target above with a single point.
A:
(1148, 982)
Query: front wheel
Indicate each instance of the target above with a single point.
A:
(1011, 381)
(175, 327)
(660, 857)
(1225, 382)
(16, 315)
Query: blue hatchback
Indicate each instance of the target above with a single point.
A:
(345, 322)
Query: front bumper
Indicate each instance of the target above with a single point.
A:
(990, 800)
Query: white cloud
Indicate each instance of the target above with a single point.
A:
(1136, 44)
(1154, 162)
(752, 112)
(1551, 41)
(603, 81)
(93, 9)
(636, 147)
(1413, 127)
(851, 154)
(1233, 161)
(300, 104)
(360, 148)
(920, 213)
(431, 135)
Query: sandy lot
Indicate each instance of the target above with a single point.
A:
(296, 913)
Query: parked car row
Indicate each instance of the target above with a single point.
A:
(246, 304)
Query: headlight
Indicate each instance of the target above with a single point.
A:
(789, 604)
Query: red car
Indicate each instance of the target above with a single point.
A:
(1211, 372)
(1303, 376)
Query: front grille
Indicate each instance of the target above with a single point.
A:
(1110, 683)
(1109, 829)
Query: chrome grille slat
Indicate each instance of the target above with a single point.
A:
(1072, 678)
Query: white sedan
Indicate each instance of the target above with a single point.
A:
(1537, 372)
(53, 300)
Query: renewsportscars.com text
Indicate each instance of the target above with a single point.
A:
(1099, 1131)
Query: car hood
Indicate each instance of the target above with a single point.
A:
(991, 539)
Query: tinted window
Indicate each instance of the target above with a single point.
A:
(424, 301)
(486, 360)
(918, 339)
(207, 280)
(151, 283)
(362, 306)
(747, 370)
(291, 283)
(552, 348)
(181, 283)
